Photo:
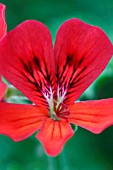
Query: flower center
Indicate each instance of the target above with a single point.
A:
(57, 108)
(59, 111)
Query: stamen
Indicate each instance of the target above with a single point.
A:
(60, 111)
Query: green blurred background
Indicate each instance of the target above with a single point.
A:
(85, 151)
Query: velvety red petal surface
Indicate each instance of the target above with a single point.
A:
(20, 121)
(3, 26)
(94, 116)
(81, 52)
(54, 134)
(29, 63)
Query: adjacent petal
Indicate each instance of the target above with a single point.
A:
(19, 121)
(2, 88)
(94, 116)
(3, 26)
(26, 60)
(54, 134)
(81, 52)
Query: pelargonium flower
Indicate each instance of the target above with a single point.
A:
(3, 28)
(53, 78)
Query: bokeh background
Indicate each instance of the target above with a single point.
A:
(85, 151)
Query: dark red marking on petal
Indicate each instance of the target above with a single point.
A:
(94, 116)
(81, 53)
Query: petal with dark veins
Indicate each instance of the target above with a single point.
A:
(81, 53)
(94, 116)
(29, 63)
(54, 134)
(19, 121)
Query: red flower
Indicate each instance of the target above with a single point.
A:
(3, 29)
(53, 78)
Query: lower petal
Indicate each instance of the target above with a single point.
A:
(19, 121)
(54, 134)
(94, 116)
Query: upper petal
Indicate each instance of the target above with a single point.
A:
(54, 134)
(81, 52)
(94, 116)
(26, 60)
(3, 26)
(19, 121)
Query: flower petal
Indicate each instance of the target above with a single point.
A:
(3, 26)
(29, 63)
(2, 88)
(81, 52)
(94, 116)
(54, 134)
(19, 121)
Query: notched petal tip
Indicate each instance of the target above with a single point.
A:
(53, 135)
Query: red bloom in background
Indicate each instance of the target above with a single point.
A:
(53, 78)
(3, 28)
